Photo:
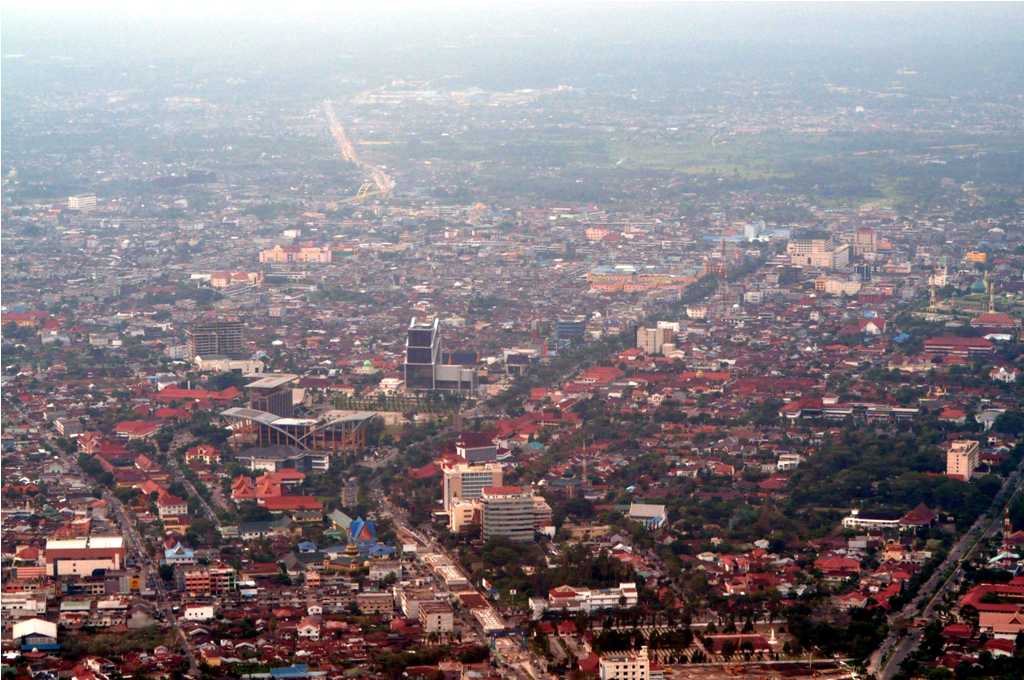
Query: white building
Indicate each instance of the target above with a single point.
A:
(650, 515)
(198, 612)
(410, 599)
(436, 617)
(817, 250)
(651, 340)
(463, 513)
(588, 600)
(962, 459)
(382, 569)
(221, 364)
(507, 512)
(632, 665)
(22, 605)
(467, 482)
(309, 628)
(35, 634)
(861, 522)
(82, 202)
(83, 556)
(788, 461)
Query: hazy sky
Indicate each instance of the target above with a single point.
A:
(523, 44)
(869, 24)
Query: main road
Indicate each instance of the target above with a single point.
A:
(149, 570)
(886, 660)
(381, 180)
(526, 665)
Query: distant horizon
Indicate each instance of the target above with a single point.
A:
(607, 44)
(869, 24)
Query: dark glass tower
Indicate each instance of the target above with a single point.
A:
(422, 354)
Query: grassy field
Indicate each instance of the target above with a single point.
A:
(744, 158)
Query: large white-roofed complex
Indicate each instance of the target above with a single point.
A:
(330, 431)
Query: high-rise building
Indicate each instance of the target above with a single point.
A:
(507, 512)
(221, 337)
(476, 447)
(350, 493)
(467, 482)
(424, 369)
(628, 665)
(865, 240)
(816, 249)
(82, 202)
(962, 459)
(422, 353)
(752, 231)
(569, 332)
(273, 394)
(463, 514)
(651, 340)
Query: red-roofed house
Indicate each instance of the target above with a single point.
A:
(837, 567)
(204, 453)
(171, 394)
(599, 375)
(136, 429)
(291, 503)
(958, 346)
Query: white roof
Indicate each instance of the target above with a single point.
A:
(35, 627)
(488, 619)
(646, 510)
(271, 381)
(103, 542)
(283, 422)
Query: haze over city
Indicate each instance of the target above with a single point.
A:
(617, 340)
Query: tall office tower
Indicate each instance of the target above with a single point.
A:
(424, 369)
(422, 354)
(272, 393)
(865, 240)
(507, 511)
(651, 340)
(467, 482)
(569, 332)
(221, 337)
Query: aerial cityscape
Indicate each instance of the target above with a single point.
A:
(615, 341)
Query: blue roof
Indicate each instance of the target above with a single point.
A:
(298, 670)
(41, 646)
(381, 550)
(362, 531)
(178, 550)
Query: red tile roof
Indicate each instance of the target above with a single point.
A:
(502, 490)
(137, 427)
(292, 503)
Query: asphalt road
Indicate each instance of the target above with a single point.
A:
(894, 649)
(148, 568)
(527, 666)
